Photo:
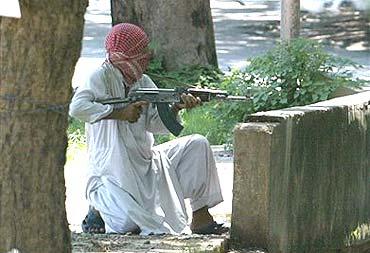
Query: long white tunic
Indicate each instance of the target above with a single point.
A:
(130, 182)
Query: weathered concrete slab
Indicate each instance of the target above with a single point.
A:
(302, 177)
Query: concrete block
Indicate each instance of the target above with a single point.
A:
(302, 177)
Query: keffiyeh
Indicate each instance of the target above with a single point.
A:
(126, 45)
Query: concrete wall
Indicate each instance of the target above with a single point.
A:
(302, 177)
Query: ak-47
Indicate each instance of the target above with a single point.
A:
(164, 98)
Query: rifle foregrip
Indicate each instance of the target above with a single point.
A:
(203, 96)
(169, 119)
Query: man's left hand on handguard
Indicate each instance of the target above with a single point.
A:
(189, 101)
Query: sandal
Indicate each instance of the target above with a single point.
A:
(93, 223)
(214, 228)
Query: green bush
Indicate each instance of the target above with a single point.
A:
(296, 73)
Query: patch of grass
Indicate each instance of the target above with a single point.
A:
(359, 235)
(200, 120)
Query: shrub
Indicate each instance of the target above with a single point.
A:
(294, 73)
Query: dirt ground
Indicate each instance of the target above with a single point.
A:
(154, 243)
(256, 24)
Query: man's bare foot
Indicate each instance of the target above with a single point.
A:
(201, 218)
(203, 223)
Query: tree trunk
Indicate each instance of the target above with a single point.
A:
(183, 30)
(38, 54)
(290, 19)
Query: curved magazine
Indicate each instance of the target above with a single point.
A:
(169, 119)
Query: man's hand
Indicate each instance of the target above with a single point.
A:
(130, 113)
(188, 101)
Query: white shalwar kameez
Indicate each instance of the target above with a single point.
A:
(131, 182)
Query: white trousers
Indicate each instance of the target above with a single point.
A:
(192, 159)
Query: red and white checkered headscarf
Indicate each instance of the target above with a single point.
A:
(126, 45)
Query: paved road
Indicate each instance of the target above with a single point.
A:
(250, 29)
(238, 35)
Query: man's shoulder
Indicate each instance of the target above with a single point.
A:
(102, 72)
(99, 71)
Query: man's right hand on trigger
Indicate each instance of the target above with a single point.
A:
(130, 113)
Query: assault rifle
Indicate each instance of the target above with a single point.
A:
(164, 98)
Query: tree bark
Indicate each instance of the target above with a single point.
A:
(37, 57)
(183, 30)
(290, 19)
